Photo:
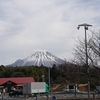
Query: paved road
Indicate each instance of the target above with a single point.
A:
(50, 96)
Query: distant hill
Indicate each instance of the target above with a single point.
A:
(39, 58)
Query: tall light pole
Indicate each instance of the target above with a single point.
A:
(49, 78)
(86, 28)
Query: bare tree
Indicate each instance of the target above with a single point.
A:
(93, 50)
(93, 53)
(94, 45)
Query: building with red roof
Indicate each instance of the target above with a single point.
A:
(15, 81)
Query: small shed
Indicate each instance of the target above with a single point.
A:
(71, 88)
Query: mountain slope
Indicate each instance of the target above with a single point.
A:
(39, 58)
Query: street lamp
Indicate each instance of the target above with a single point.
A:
(86, 28)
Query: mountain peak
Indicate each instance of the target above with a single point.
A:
(39, 58)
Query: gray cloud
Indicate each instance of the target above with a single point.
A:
(27, 25)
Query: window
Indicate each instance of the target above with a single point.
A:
(71, 86)
(9, 82)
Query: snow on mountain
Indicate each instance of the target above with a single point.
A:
(39, 58)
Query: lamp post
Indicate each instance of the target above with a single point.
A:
(86, 28)
(49, 78)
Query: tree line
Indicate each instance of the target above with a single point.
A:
(65, 73)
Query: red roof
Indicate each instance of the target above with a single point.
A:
(17, 80)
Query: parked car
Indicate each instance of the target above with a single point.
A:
(15, 93)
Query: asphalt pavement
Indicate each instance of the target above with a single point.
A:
(51, 96)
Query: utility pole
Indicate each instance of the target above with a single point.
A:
(86, 28)
(49, 78)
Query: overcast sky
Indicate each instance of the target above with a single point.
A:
(27, 26)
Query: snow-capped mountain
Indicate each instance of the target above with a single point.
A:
(39, 58)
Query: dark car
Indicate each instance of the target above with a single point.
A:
(15, 93)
